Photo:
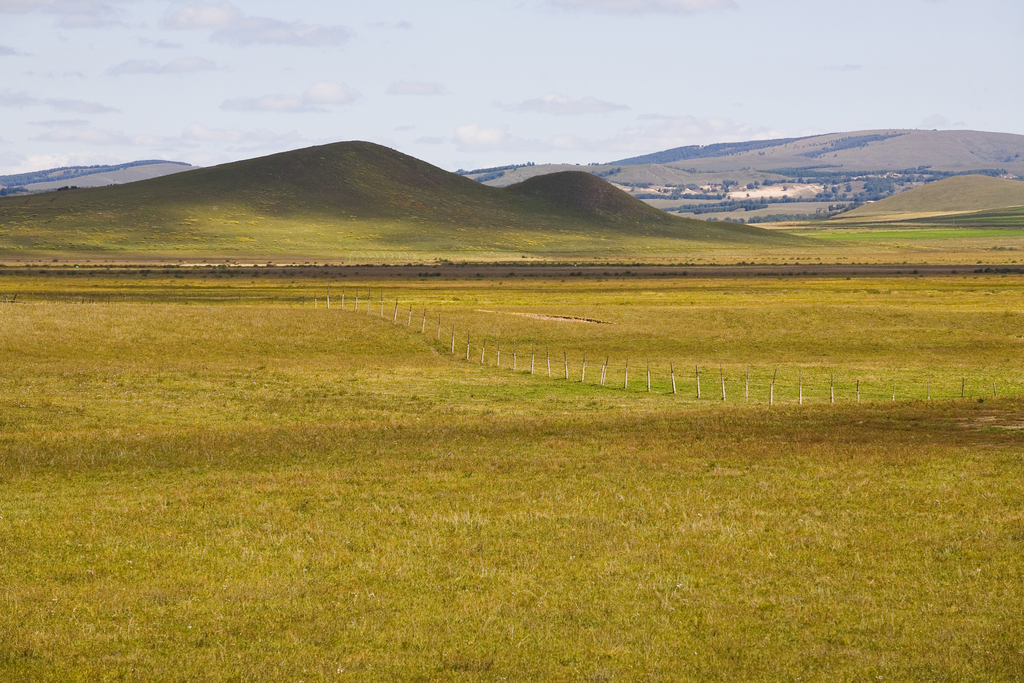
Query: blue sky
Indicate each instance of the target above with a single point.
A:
(475, 83)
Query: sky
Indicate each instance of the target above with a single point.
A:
(480, 83)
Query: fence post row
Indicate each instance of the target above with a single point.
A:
(604, 367)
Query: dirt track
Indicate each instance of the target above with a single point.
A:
(470, 271)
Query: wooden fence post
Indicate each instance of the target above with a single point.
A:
(565, 360)
(625, 383)
(497, 362)
(672, 372)
(343, 297)
(722, 375)
(469, 337)
(771, 390)
(408, 324)
(696, 372)
(423, 327)
(453, 339)
(328, 297)
(832, 387)
(439, 327)
(395, 320)
(483, 347)
(963, 386)
(547, 355)
(800, 387)
(746, 387)
(533, 357)
(648, 375)
(382, 304)
(583, 372)
(604, 370)
(858, 391)
(356, 307)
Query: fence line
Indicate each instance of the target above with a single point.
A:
(765, 385)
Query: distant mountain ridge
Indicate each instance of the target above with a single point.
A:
(72, 172)
(871, 150)
(719, 149)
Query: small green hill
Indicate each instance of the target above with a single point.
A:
(592, 196)
(959, 194)
(351, 199)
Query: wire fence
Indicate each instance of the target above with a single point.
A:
(731, 383)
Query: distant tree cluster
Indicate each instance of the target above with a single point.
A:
(849, 142)
(495, 169)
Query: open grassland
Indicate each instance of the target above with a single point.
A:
(262, 490)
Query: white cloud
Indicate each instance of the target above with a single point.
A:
(329, 93)
(196, 132)
(666, 132)
(232, 26)
(23, 99)
(60, 123)
(473, 135)
(6, 51)
(415, 88)
(263, 31)
(273, 103)
(33, 162)
(72, 13)
(162, 44)
(149, 66)
(89, 136)
(316, 95)
(645, 6)
(202, 16)
(16, 99)
(554, 103)
(79, 106)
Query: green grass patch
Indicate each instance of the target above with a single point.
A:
(910, 233)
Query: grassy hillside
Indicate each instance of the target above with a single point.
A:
(960, 194)
(352, 199)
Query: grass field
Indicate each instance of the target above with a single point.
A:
(237, 486)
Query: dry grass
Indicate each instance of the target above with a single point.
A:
(234, 492)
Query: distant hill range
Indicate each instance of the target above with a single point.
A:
(765, 180)
(92, 176)
(864, 151)
(353, 199)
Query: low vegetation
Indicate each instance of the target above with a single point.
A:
(234, 484)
